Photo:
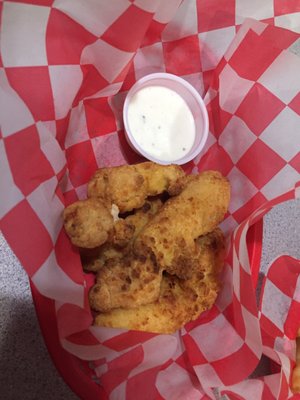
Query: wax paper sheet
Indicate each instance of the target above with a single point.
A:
(65, 69)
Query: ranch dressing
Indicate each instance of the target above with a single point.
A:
(161, 123)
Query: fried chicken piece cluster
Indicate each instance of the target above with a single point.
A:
(179, 301)
(157, 263)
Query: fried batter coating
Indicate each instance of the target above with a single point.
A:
(127, 229)
(88, 223)
(126, 282)
(94, 259)
(180, 301)
(124, 233)
(128, 186)
(197, 210)
(159, 178)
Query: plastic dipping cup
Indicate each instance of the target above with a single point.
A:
(194, 109)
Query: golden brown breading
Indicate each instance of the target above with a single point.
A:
(159, 178)
(180, 301)
(120, 243)
(197, 210)
(88, 223)
(127, 229)
(180, 184)
(128, 186)
(127, 282)
(123, 233)
(94, 259)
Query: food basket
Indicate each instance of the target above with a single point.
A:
(61, 119)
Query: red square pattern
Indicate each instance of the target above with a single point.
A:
(295, 162)
(72, 318)
(125, 340)
(65, 39)
(27, 236)
(267, 394)
(286, 6)
(216, 158)
(65, 252)
(232, 375)
(99, 117)
(60, 177)
(207, 78)
(249, 302)
(267, 163)
(282, 41)
(233, 314)
(85, 337)
(92, 82)
(109, 151)
(135, 388)
(70, 197)
(259, 108)
(251, 205)
(271, 329)
(62, 129)
(289, 268)
(126, 32)
(34, 87)
(188, 167)
(196, 357)
(285, 388)
(153, 33)
(205, 317)
(218, 118)
(129, 360)
(269, 21)
(253, 56)
(215, 14)
(29, 165)
(182, 57)
(215, 82)
(129, 78)
(81, 162)
(184, 362)
(295, 104)
(122, 75)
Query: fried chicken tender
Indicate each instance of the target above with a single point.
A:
(124, 233)
(126, 282)
(180, 301)
(128, 186)
(197, 210)
(88, 223)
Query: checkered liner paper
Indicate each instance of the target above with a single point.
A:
(65, 69)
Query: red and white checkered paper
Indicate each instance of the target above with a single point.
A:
(65, 69)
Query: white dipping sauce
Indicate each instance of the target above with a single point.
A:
(161, 123)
